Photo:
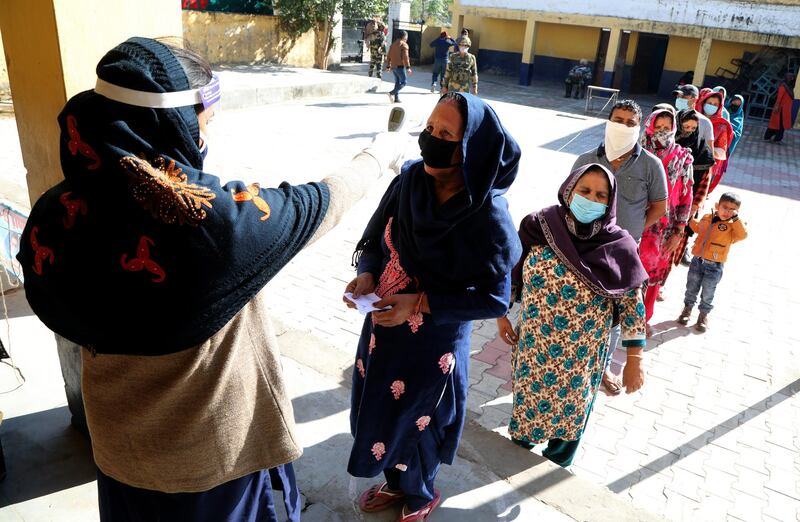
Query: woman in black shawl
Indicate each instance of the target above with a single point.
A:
(438, 250)
(702, 161)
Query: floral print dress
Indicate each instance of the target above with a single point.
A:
(558, 362)
(409, 379)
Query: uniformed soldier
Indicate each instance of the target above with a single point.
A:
(461, 74)
(578, 77)
(377, 49)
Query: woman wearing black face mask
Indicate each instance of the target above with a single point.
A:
(702, 160)
(438, 250)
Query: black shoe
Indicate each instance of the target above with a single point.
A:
(702, 322)
(686, 314)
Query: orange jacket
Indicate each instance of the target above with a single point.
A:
(714, 241)
(398, 55)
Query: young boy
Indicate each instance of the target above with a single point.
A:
(715, 234)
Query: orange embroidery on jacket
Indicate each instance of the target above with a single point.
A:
(76, 144)
(142, 260)
(163, 190)
(252, 194)
(74, 207)
(42, 253)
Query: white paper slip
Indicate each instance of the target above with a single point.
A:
(365, 303)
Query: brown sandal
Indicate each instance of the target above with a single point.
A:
(377, 498)
(611, 387)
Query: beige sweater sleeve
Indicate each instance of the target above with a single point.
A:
(346, 186)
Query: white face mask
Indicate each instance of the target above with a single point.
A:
(463, 49)
(619, 139)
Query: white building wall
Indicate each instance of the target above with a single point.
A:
(769, 18)
(398, 10)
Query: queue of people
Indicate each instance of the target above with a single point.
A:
(180, 323)
(453, 71)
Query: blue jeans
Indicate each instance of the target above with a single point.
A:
(703, 278)
(399, 81)
(438, 71)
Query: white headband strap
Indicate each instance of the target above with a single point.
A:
(152, 100)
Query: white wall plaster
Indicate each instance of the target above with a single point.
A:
(777, 19)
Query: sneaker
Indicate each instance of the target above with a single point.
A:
(686, 314)
(391, 97)
(433, 88)
(702, 322)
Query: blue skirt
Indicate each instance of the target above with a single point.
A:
(246, 499)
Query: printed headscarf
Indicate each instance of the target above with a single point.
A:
(601, 254)
(677, 160)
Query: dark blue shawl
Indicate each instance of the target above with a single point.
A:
(473, 227)
(138, 251)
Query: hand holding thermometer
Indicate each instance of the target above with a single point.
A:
(396, 119)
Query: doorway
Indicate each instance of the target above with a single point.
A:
(648, 65)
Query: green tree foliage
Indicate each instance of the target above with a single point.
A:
(434, 12)
(260, 7)
(364, 9)
(299, 16)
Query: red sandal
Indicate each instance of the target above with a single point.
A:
(377, 498)
(424, 512)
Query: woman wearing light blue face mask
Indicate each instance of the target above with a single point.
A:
(577, 269)
(711, 103)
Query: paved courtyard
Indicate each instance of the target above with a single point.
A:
(713, 434)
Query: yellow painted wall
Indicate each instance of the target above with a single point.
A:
(681, 54)
(476, 26)
(630, 57)
(85, 33)
(502, 35)
(225, 38)
(723, 52)
(429, 34)
(566, 41)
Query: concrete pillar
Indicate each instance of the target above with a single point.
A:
(52, 49)
(399, 10)
(796, 104)
(611, 56)
(335, 55)
(702, 61)
(458, 23)
(528, 53)
(4, 89)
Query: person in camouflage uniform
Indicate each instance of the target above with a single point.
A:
(578, 77)
(461, 74)
(377, 49)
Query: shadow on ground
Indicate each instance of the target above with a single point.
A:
(44, 455)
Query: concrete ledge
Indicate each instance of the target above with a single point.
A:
(250, 86)
(527, 473)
